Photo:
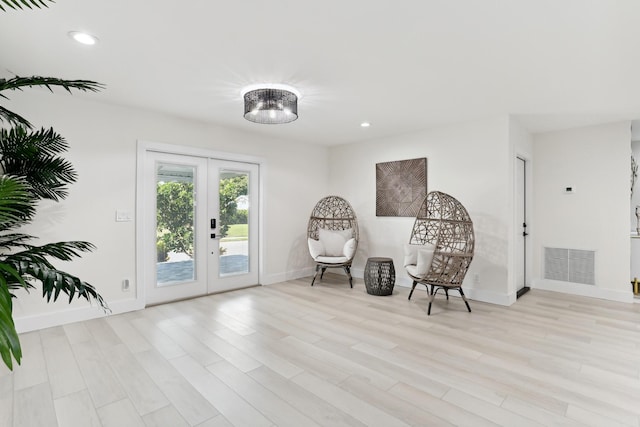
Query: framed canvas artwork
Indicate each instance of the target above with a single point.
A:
(401, 186)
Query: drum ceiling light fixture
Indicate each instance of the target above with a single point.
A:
(270, 103)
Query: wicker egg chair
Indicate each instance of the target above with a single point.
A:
(443, 225)
(332, 234)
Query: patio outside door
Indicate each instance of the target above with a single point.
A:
(200, 228)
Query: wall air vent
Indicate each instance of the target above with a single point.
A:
(570, 265)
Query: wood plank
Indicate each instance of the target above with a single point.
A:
(269, 404)
(306, 402)
(189, 403)
(360, 409)
(32, 369)
(120, 413)
(131, 337)
(6, 400)
(28, 414)
(260, 353)
(222, 397)
(62, 369)
(158, 339)
(76, 410)
(141, 389)
(102, 383)
(165, 417)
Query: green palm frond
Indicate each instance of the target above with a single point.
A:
(20, 4)
(14, 240)
(9, 341)
(12, 118)
(33, 263)
(17, 83)
(17, 206)
(34, 156)
(64, 251)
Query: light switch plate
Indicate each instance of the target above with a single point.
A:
(123, 216)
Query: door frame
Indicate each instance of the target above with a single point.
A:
(528, 247)
(143, 147)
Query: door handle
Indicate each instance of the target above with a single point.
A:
(525, 234)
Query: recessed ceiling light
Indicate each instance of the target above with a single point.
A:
(83, 38)
(365, 124)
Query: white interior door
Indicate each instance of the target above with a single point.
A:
(200, 225)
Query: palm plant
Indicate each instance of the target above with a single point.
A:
(19, 4)
(17, 83)
(32, 169)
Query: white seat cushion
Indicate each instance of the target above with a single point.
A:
(332, 259)
(349, 249)
(333, 241)
(411, 269)
(332, 246)
(315, 248)
(422, 256)
(425, 256)
(411, 252)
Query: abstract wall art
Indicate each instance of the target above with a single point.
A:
(401, 186)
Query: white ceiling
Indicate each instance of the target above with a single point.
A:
(402, 65)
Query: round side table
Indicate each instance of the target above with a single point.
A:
(379, 276)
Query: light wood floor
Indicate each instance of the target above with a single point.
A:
(293, 355)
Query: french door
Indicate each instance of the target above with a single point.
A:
(200, 226)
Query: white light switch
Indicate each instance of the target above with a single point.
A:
(123, 216)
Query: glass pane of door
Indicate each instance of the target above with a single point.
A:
(234, 224)
(175, 213)
(173, 220)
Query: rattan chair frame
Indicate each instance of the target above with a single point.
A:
(333, 213)
(444, 222)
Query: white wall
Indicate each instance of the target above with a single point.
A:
(103, 150)
(470, 161)
(595, 161)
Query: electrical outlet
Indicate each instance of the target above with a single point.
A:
(125, 285)
(476, 278)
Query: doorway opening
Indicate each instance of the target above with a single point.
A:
(521, 221)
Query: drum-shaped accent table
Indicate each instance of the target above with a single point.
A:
(379, 276)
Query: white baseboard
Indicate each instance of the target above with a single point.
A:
(583, 290)
(490, 296)
(287, 275)
(70, 315)
(76, 314)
